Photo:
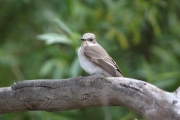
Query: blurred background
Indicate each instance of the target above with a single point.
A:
(40, 38)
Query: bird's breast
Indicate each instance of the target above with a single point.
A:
(87, 64)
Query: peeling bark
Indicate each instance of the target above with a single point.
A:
(80, 92)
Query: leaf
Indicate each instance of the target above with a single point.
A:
(63, 26)
(51, 38)
(7, 59)
(55, 67)
(123, 40)
(162, 54)
(75, 68)
(46, 68)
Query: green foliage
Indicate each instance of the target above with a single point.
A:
(40, 38)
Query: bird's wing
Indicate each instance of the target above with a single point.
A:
(98, 55)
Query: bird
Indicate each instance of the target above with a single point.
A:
(94, 59)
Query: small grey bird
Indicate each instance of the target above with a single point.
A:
(94, 59)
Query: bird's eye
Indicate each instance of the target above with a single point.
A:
(90, 39)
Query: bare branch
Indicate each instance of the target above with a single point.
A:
(57, 95)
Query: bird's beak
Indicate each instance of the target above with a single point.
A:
(83, 39)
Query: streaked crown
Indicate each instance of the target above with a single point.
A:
(88, 36)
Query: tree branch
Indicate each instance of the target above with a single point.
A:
(57, 95)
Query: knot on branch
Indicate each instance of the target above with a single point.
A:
(134, 85)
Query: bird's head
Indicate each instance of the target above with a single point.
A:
(89, 38)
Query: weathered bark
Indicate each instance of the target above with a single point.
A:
(55, 95)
